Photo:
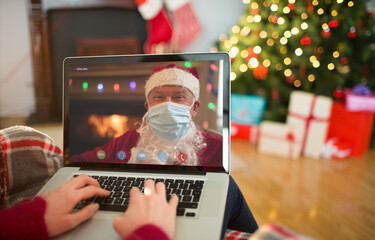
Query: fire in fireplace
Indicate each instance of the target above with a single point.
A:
(109, 126)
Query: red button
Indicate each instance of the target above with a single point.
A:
(182, 157)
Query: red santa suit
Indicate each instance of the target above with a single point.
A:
(210, 156)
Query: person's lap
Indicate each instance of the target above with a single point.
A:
(237, 214)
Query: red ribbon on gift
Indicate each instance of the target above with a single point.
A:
(308, 120)
(289, 137)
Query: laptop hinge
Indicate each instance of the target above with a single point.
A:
(200, 173)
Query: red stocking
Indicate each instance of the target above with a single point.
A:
(185, 23)
(159, 26)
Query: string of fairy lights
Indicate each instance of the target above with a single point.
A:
(125, 86)
(250, 56)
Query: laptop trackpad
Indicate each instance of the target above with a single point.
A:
(92, 229)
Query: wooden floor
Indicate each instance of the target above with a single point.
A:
(325, 199)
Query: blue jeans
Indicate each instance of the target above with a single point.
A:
(237, 214)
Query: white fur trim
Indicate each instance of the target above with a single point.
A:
(150, 8)
(173, 5)
(173, 76)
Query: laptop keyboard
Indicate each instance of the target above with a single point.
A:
(188, 192)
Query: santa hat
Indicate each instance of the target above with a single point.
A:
(173, 75)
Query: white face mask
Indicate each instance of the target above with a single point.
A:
(169, 120)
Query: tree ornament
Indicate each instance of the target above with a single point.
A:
(290, 79)
(254, 11)
(338, 93)
(260, 72)
(344, 60)
(251, 52)
(291, 6)
(326, 33)
(310, 7)
(275, 18)
(305, 40)
(352, 33)
(275, 94)
(370, 14)
(333, 23)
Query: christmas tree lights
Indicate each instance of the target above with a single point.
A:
(320, 46)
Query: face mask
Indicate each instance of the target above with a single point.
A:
(170, 121)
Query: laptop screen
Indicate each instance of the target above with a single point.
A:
(167, 111)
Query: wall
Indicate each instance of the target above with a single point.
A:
(16, 86)
(216, 17)
(16, 78)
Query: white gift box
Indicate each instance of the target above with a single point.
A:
(310, 114)
(278, 139)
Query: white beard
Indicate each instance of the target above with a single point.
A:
(191, 144)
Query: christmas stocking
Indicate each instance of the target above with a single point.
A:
(185, 24)
(159, 26)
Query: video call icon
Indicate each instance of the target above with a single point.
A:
(162, 156)
(121, 155)
(101, 154)
(141, 155)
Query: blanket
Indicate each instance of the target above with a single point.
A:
(28, 159)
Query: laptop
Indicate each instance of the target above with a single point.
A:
(104, 101)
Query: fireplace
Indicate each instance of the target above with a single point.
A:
(109, 126)
(93, 130)
(94, 122)
(105, 101)
(63, 28)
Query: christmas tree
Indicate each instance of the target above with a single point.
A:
(320, 46)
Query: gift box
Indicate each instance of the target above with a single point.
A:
(336, 149)
(273, 231)
(278, 139)
(355, 128)
(357, 102)
(245, 132)
(310, 114)
(247, 109)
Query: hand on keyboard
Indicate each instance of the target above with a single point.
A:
(188, 191)
(148, 208)
(61, 201)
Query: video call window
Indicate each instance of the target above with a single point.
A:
(107, 107)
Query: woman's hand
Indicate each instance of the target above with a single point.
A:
(148, 208)
(61, 201)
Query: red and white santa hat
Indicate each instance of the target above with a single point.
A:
(173, 75)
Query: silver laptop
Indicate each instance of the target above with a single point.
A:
(104, 103)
